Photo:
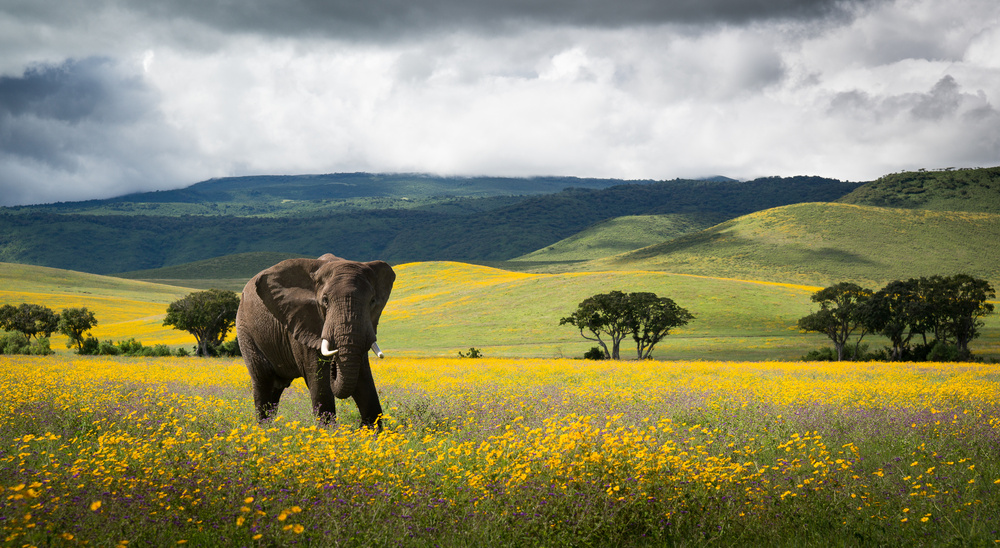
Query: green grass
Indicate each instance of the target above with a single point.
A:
(951, 190)
(619, 235)
(240, 266)
(441, 308)
(824, 243)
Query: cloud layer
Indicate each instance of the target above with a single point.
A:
(637, 89)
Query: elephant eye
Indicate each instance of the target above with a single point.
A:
(325, 301)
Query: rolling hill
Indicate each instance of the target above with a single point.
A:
(620, 235)
(823, 243)
(440, 308)
(110, 243)
(944, 190)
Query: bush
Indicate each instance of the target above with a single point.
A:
(595, 353)
(473, 353)
(107, 348)
(861, 354)
(40, 347)
(90, 346)
(14, 343)
(943, 352)
(160, 350)
(182, 353)
(229, 349)
(130, 347)
(18, 343)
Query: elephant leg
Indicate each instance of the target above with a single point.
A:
(318, 381)
(366, 396)
(267, 388)
(266, 395)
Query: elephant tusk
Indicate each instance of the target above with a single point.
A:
(377, 350)
(325, 349)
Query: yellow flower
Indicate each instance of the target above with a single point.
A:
(95, 506)
(240, 520)
(298, 529)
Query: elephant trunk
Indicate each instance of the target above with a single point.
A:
(350, 342)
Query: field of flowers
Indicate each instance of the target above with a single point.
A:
(156, 452)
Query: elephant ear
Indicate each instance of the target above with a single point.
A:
(383, 279)
(289, 293)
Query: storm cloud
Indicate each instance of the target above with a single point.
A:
(106, 97)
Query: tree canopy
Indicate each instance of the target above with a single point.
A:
(645, 316)
(949, 309)
(34, 320)
(208, 315)
(75, 323)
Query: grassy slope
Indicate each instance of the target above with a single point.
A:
(620, 235)
(961, 190)
(124, 308)
(227, 272)
(820, 244)
(439, 308)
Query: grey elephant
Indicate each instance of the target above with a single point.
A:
(300, 310)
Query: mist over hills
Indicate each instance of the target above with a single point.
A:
(484, 225)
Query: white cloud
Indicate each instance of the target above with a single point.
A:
(774, 89)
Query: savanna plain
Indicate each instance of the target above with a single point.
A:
(545, 451)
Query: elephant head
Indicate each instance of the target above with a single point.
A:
(330, 305)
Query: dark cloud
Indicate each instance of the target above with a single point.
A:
(381, 19)
(89, 118)
(945, 100)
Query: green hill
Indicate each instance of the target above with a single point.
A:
(107, 244)
(227, 272)
(949, 190)
(619, 235)
(439, 308)
(823, 243)
(286, 195)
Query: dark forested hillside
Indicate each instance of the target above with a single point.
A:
(122, 242)
(294, 195)
(975, 190)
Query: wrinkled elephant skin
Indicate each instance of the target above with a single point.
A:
(293, 313)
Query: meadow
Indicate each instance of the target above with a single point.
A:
(164, 451)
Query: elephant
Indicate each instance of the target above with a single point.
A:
(301, 310)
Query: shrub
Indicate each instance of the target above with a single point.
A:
(40, 347)
(473, 353)
(107, 348)
(14, 343)
(229, 349)
(595, 353)
(19, 343)
(90, 347)
(941, 351)
(182, 353)
(130, 347)
(160, 350)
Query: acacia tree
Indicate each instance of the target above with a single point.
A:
(651, 318)
(645, 316)
(958, 302)
(34, 320)
(842, 312)
(602, 314)
(898, 311)
(75, 323)
(208, 315)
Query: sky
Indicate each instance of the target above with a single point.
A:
(106, 97)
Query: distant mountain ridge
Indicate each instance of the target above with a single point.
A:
(470, 229)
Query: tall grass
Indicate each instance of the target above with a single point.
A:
(504, 452)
